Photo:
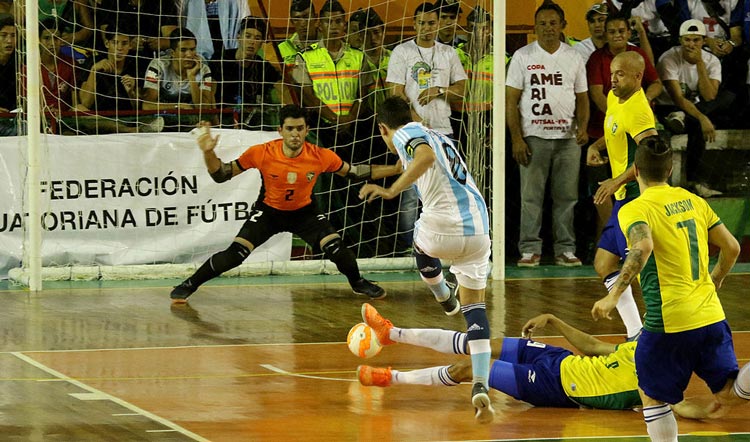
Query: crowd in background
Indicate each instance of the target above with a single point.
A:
(117, 66)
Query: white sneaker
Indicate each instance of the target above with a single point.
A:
(704, 191)
(675, 122)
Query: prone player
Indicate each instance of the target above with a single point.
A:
(603, 378)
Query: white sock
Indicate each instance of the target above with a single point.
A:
(424, 376)
(660, 423)
(626, 307)
(742, 383)
(444, 341)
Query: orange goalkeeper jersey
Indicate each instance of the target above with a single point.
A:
(288, 182)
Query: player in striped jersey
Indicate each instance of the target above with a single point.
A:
(685, 331)
(454, 224)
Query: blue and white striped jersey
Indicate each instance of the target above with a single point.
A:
(451, 201)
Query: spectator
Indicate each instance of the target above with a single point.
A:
(305, 23)
(334, 81)
(74, 20)
(547, 110)
(150, 22)
(693, 98)
(57, 77)
(722, 19)
(356, 33)
(112, 86)
(449, 12)
(181, 80)
(476, 56)
(596, 16)
(428, 75)
(377, 57)
(599, 75)
(8, 74)
(648, 14)
(216, 24)
(246, 81)
(6, 7)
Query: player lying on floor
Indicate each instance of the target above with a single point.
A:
(530, 371)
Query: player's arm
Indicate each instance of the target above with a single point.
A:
(608, 187)
(219, 170)
(424, 158)
(641, 246)
(729, 250)
(584, 342)
(364, 172)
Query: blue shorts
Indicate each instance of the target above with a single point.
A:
(612, 239)
(530, 371)
(666, 361)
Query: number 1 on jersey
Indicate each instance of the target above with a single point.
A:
(692, 246)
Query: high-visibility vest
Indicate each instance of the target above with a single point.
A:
(478, 96)
(378, 90)
(288, 50)
(335, 84)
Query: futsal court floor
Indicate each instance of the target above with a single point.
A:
(264, 359)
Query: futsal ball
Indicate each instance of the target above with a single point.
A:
(363, 341)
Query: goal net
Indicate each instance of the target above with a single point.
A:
(122, 191)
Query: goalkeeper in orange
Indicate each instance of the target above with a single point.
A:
(289, 168)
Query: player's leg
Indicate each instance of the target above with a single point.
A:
(431, 272)
(665, 364)
(471, 273)
(255, 231)
(314, 228)
(441, 376)
(611, 249)
(719, 369)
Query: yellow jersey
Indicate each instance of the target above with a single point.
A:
(622, 123)
(677, 286)
(604, 382)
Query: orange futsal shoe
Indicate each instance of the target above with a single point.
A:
(374, 376)
(382, 326)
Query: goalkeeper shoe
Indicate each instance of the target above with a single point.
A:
(480, 398)
(181, 292)
(368, 288)
(379, 324)
(374, 376)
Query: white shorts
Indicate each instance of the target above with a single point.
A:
(470, 255)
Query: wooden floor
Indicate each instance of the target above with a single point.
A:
(263, 359)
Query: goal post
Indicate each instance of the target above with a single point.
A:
(108, 212)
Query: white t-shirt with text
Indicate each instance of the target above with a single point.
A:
(549, 83)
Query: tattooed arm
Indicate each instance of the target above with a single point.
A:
(641, 246)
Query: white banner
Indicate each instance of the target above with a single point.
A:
(130, 199)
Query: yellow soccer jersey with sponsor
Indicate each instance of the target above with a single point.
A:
(677, 286)
(622, 122)
(604, 382)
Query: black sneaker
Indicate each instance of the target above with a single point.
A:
(451, 305)
(181, 292)
(482, 404)
(367, 288)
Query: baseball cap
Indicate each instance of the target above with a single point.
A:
(449, 6)
(597, 8)
(692, 27)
